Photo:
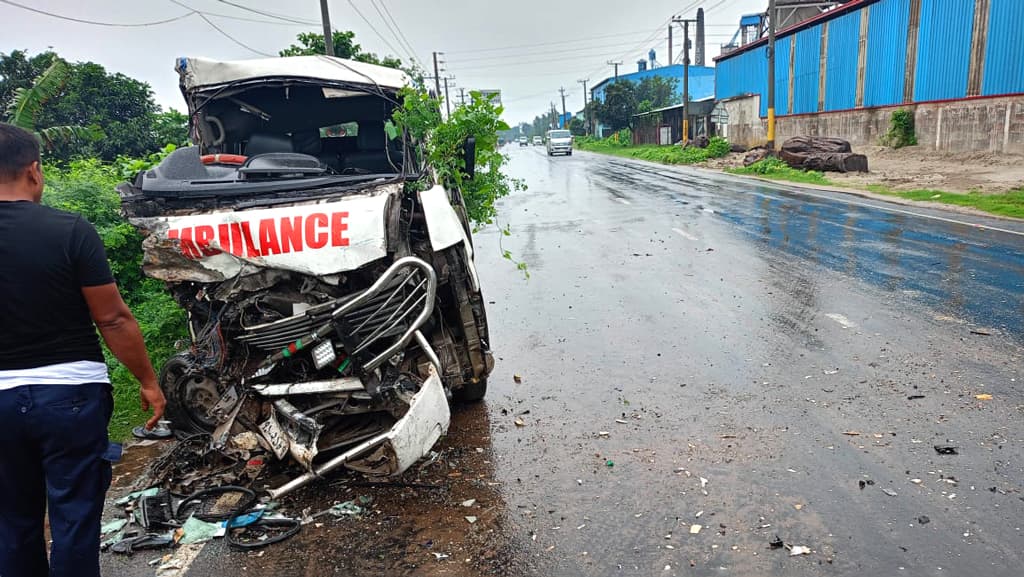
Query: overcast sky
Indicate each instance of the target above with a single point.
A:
(525, 48)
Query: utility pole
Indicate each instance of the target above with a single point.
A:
(447, 101)
(554, 116)
(686, 75)
(616, 65)
(462, 96)
(586, 114)
(771, 74)
(670, 44)
(562, 119)
(437, 76)
(325, 15)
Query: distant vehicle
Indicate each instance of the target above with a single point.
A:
(537, 141)
(559, 142)
(524, 141)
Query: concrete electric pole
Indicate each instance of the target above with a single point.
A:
(437, 76)
(670, 44)
(616, 65)
(561, 120)
(447, 101)
(325, 15)
(771, 74)
(462, 96)
(686, 75)
(586, 114)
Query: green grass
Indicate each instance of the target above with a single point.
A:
(775, 169)
(664, 154)
(1004, 204)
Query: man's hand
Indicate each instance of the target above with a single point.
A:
(152, 398)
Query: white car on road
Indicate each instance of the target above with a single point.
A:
(559, 142)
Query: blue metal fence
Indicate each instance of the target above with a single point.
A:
(841, 66)
(746, 73)
(888, 24)
(807, 70)
(1004, 50)
(943, 49)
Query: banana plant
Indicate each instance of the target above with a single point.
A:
(24, 109)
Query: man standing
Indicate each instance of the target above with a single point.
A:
(55, 395)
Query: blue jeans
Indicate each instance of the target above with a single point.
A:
(53, 444)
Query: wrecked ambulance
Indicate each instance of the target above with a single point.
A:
(332, 300)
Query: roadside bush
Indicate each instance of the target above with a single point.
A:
(901, 130)
(623, 137)
(86, 187)
(773, 168)
(718, 147)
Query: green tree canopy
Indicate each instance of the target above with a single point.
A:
(619, 105)
(116, 107)
(312, 44)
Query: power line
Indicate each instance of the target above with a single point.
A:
(273, 15)
(540, 53)
(535, 44)
(223, 32)
(396, 32)
(531, 62)
(373, 28)
(94, 22)
(400, 33)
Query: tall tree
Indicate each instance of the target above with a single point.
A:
(19, 70)
(25, 106)
(619, 105)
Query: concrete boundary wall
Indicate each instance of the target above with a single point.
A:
(975, 125)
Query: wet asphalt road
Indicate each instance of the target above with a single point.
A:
(695, 349)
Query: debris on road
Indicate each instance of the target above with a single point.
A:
(946, 450)
(799, 550)
(889, 492)
(518, 379)
(983, 397)
(471, 519)
(923, 520)
(695, 529)
(520, 422)
(469, 503)
(775, 543)
(852, 433)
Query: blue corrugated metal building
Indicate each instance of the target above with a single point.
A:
(874, 53)
(702, 81)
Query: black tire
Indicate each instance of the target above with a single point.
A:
(174, 382)
(471, 392)
(568, 153)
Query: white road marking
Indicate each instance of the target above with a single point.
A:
(622, 200)
(685, 234)
(842, 320)
(179, 564)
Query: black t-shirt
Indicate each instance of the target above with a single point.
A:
(46, 257)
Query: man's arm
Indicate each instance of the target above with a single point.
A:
(121, 333)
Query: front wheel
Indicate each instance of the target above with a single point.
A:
(471, 392)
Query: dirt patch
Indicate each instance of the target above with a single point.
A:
(916, 167)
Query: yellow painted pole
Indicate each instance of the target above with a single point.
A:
(771, 128)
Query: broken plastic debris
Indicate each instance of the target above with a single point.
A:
(197, 531)
(517, 378)
(609, 463)
(889, 492)
(923, 520)
(851, 433)
(946, 450)
(798, 506)
(469, 503)
(346, 509)
(520, 422)
(603, 433)
(132, 496)
(983, 397)
(112, 526)
(775, 543)
(916, 481)
(471, 519)
(703, 482)
(440, 556)
(799, 550)
(621, 421)
(694, 529)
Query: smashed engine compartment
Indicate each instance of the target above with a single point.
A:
(332, 302)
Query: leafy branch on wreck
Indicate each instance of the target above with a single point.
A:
(444, 141)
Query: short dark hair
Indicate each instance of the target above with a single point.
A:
(18, 149)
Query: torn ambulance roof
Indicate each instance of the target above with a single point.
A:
(199, 74)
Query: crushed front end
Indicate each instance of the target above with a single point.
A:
(332, 303)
